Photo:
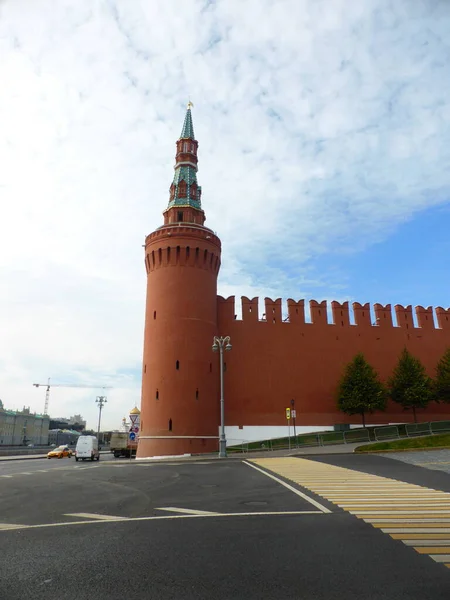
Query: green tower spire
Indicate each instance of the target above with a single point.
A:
(188, 128)
(185, 190)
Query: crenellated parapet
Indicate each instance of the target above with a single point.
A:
(185, 245)
(443, 317)
(342, 316)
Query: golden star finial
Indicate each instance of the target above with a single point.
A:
(189, 104)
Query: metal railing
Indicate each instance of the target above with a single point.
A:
(369, 434)
(386, 433)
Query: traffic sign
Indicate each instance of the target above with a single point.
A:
(132, 436)
(293, 413)
(134, 429)
(134, 418)
(288, 414)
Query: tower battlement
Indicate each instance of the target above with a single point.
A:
(341, 314)
(184, 245)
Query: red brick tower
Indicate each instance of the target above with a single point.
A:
(180, 409)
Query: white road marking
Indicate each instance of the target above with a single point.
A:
(94, 516)
(6, 475)
(4, 526)
(187, 511)
(164, 517)
(406, 520)
(443, 558)
(399, 512)
(391, 505)
(427, 542)
(289, 487)
(416, 530)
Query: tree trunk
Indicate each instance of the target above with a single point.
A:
(414, 413)
(363, 415)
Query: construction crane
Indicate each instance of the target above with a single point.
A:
(49, 385)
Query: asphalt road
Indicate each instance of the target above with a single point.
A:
(125, 529)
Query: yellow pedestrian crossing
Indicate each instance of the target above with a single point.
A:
(416, 515)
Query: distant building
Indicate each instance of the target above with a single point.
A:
(22, 427)
(76, 422)
(60, 437)
(59, 424)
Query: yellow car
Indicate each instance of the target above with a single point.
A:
(60, 452)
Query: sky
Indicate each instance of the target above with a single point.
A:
(324, 160)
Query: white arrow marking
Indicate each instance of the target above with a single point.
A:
(188, 511)
(94, 516)
(10, 526)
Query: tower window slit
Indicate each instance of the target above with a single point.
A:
(197, 252)
(168, 254)
(205, 256)
(160, 255)
(177, 365)
(210, 367)
(157, 395)
(196, 394)
(154, 314)
(178, 254)
(179, 215)
(188, 252)
(170, 424)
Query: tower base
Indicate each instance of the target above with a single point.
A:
(151, 447)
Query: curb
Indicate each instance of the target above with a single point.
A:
(16, 457)
(30, 456)
(428, 449)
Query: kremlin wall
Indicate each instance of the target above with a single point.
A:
(282, 356)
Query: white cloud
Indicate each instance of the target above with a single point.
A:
(322, 125)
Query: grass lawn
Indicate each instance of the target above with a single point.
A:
(429, 441)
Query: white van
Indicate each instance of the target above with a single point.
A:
(87, 447)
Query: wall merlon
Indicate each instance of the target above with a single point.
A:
(443, 317)
(425, 317)
(250, 309)
(225, 309)
(296, 311)
(273, 310)
(383, 315)
(318, 312)
(404, 316)
(362, 314)
(341, 316)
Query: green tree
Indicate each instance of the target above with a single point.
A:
(360, 389)
(409, 385)
(441, 386)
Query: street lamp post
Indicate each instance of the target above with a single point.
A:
(101, 401)
(219, 344)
